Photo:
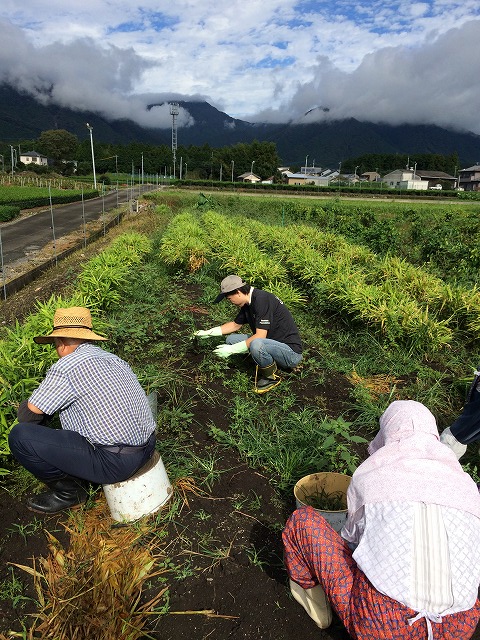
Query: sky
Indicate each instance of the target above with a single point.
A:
(395, 61)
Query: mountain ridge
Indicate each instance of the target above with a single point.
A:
(327, 143)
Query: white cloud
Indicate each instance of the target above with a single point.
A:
(392, 61)
(437, 83)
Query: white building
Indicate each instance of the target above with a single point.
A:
(306, 179)
(32, 157)
(405, 179)
(248, 177)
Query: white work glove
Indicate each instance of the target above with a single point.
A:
(202, 334)
(449, 439)
(227, 350)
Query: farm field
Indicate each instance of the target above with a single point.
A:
(376, 327)
(15, 197)
(21, 194)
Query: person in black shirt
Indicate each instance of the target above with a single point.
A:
(274, 340)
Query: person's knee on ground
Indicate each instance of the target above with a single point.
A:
(315, 603)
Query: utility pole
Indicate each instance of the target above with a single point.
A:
(174, 111)
(90, 128)
(13, 153)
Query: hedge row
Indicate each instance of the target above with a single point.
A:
(8, 212)
(31, 203)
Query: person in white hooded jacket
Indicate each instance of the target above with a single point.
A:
(407, 562)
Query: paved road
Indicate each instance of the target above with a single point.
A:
(21, 237)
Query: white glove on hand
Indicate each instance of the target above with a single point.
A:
(449, 439)
(226, 350)
(202, 334)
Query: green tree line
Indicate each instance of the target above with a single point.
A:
(64, 150)
(196, 162)
(386, 162)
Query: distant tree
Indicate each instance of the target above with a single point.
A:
(203, 162)
(385, 162)
(261, 157)
(69, 169)
(58, 144)
(38, 168)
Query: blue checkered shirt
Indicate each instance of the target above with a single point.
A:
(96, 394)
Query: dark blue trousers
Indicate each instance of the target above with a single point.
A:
(49, 454)
(466, 427)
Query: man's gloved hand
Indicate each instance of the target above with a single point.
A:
(24, 414)
(202, 334)
(226, 350)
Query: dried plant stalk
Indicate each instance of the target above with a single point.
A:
(94, 590)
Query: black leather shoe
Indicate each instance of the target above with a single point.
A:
(65, 494)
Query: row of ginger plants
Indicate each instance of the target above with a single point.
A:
(402, 304)
(98, 287)
(104, 565)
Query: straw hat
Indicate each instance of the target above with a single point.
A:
(74, 322)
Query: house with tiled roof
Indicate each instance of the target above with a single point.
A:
(435, 177)
(248, 177)
(32, 157)
(469, 179)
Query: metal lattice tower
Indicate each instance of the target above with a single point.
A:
(174, 111)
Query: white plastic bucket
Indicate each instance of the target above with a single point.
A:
(324, 483)
(142, 494)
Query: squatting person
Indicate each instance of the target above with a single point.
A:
(466, 428)
(407, 563)
(274, 340)
(108, 430)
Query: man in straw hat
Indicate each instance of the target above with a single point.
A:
(274, 339)
(108, 430)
